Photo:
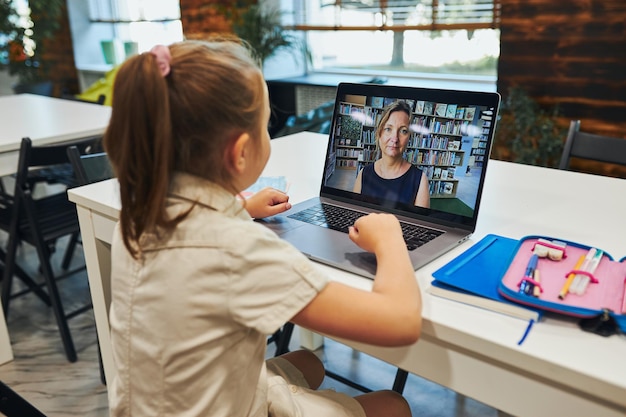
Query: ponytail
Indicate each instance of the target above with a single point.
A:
(140, 146)
(178, 112)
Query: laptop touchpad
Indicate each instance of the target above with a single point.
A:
(280, 224)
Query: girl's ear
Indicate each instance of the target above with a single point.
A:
(236, 154)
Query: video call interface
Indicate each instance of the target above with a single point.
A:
(449, 141)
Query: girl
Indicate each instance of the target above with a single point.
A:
(196, 285)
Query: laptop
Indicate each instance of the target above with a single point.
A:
(451, 134)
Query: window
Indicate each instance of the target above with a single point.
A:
(442, 36)
(141, 22)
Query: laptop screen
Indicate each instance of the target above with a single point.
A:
(418, 152)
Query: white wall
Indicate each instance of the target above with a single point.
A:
(87, 36)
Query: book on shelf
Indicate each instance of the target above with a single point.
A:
(388, 100)
(469, 113)
(451, 111)
(460, 112)
(473, 278)
(429, 107)
(378, 102)
(419, 106)
(440, 109)
(411, 103)
(454, 145)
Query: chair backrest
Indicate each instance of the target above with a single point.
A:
(45, 164)
(50, 163)
(89, 167)
(592, 147)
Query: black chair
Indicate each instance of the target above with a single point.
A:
(14, 405)
(281, 339)
(592, 147)
(316, 120)
(40, 222)
(89, 167)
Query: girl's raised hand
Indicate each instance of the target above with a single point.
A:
(377, 231)
(267, 202)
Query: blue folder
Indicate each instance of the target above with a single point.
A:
(479, 269)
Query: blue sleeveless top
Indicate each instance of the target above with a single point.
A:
(402, 189)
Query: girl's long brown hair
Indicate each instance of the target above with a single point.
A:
(181, 122)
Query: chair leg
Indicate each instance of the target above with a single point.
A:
(102, 375)
(100, 363)
(7, 278)
(283, 339)
(400, 381)
(53, 293)
(57, 306)
(14, 405)
(347, 381)
(69, 251)
(25, 278)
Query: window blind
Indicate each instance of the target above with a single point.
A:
(400, 15)
(118, 11)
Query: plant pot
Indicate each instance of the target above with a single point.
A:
(130, 49)
(109, 52)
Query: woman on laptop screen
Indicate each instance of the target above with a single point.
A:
(391, 177)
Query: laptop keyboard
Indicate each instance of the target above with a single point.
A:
(341, 218)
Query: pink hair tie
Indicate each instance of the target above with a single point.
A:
(163, 58)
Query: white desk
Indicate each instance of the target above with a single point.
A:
(558, 370)
(45, 120)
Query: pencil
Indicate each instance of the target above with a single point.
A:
(570, 278)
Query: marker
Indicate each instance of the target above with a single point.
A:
(570, 277)
(591, 268)
(575, 287)
(525, 286)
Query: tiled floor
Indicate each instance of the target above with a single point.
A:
(40, 371)
(42, 375)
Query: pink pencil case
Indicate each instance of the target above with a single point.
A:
(605, 295)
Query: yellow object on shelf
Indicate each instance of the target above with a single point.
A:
(103, 86)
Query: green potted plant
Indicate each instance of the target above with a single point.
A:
(527, 133)
(24, 33)
(261, 27)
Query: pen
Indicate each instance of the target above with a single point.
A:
(570, 277)
(525, 286)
